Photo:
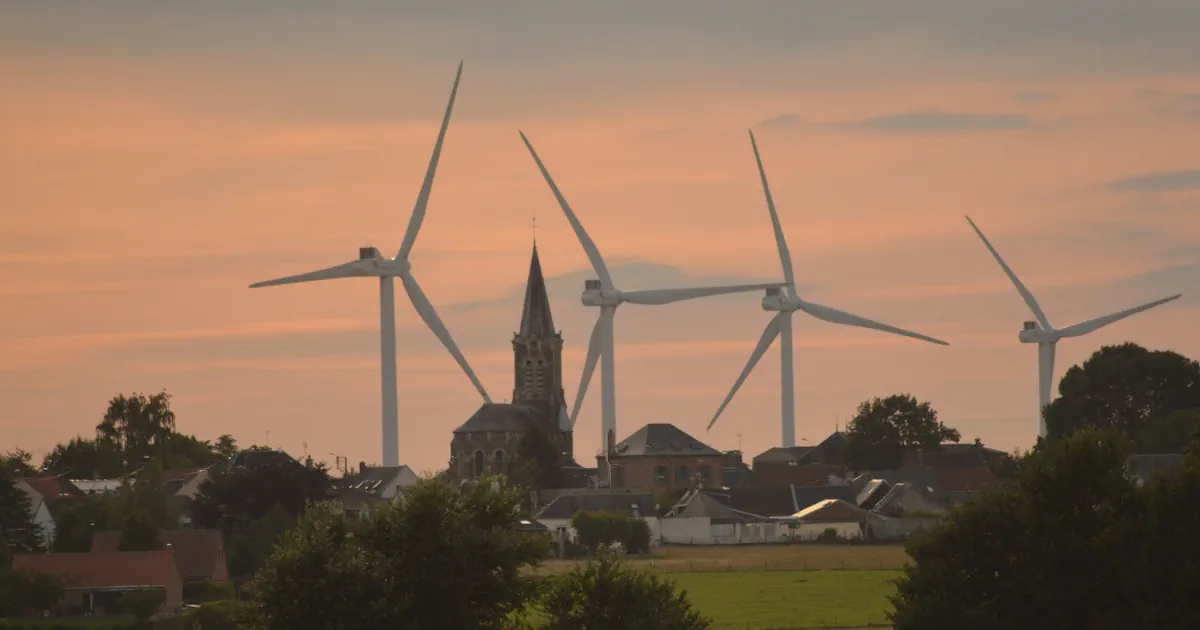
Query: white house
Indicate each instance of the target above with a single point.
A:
(39, 511)
(557, 514)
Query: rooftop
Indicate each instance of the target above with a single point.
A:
(662, 439)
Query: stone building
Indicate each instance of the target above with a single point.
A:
(661, 456)
(487, 442)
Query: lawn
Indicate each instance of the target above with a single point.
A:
(790, 599)
(793, 557)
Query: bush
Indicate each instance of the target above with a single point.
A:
(605, 528)
(142, 603)
(201, 592)
(217, 615)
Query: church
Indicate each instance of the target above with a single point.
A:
(487, 442)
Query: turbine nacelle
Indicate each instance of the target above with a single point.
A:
(1032, 333)
(595, 295)
(777, 300)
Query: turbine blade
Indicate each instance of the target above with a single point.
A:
(785, 256)
(1025, 294)
(589, 246)
(667, 296)
(589, 365)
(356, 269)
(418, 213)
(834, 316)
(1091, 325)
(429, 315)
(764, 342)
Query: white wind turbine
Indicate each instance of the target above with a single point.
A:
(784, 305)
(604, 294)
(371, 263)
(1047, 336)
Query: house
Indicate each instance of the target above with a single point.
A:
(903, 511)
(777, 503)
(557, 514)
(781, 467)
(47, 497)
(1144, 467)
(382, 482)
(951, 456)
(94, 582)
(182, 485)
(846, 520)
(354, 502)
(199, 553)
(661, 456)
(701, 519)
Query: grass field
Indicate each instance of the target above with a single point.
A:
(790, 599)
(794, 557)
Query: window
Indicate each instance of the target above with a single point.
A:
(705, 474)
(660, 475)
(682, 476)
(478, 470)
(498, 461)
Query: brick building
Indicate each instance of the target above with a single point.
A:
(487, 442)
(661, 456)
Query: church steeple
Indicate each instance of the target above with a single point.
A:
(537, 350)
(536, 320)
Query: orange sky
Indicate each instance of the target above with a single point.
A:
(153, 166)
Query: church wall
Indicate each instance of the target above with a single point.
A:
(464, 446)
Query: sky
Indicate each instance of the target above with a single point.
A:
(157, 159)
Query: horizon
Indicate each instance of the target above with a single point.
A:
(162, 159)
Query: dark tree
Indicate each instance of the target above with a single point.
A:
(16, 521)
(139, 533)
(79, 520)
(539, 459)
(1047, 551)
(607, 594)
(441, 557)
(136, 424)
(86, 459)
(885, 429)
(18, 462)
(1169, 434)
(1125, 388)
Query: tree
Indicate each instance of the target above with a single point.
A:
(142, 603)
(1124, 388)
(79, 520)
(137, 423)
(1046, 551)
(540, 459)
(19, 462)
(254, 506)
(1168, 434)
(885, 429)
(598, 529)
(606, 593)
(85, 459)
(139, 533)
(440, 557)
(16, 521)
(226, 446)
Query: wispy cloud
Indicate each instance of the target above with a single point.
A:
(1035, 96)
(936, 122)
(782, 120)
(1160, 181)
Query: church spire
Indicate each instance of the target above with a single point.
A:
(536, 320)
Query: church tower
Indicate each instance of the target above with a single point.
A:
(537, 351)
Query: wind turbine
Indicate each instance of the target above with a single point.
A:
(371, 263)
(1047, 336)
(602, 293)
(781, 324)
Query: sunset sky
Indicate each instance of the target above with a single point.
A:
(155, 160)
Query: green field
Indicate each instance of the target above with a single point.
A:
(790, 599)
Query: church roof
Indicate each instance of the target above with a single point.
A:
(536, 320)
(499, 417)
(662, 439)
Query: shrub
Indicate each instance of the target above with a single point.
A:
(142, 603)
(605, 528)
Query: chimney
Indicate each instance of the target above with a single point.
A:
(362, 467)
(612, 440)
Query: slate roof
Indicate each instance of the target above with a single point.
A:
(659, 439)
(783, 454)
(254, 459)
(769, 502)
(536, 320)
(921, 478)
(103, 569)
(701, 504)
(500, 417)
(872, 492)
(566, 506)
(197, 551)
(832, 511)
(828, 452)
(371, 479)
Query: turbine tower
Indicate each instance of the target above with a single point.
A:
(371, 263)
(1047, 336)
(602, 293)
(784, 304)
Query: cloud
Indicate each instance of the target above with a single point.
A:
(936, 122)
(1035, 96)
(782, 120)
(1160, 181)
